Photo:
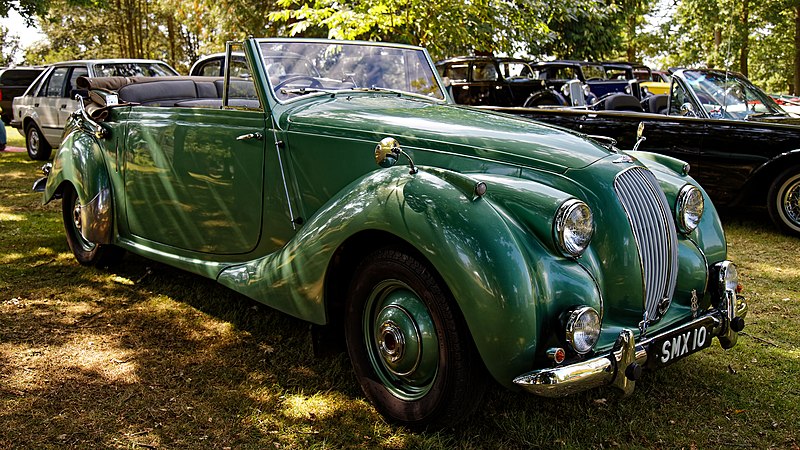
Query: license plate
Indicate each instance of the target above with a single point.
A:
(674, 346)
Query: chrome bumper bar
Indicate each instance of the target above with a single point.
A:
(621, 366)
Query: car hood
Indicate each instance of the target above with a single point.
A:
(423, 125)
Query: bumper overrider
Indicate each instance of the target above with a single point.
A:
(623, 365)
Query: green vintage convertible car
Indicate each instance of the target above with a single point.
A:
(340, 184)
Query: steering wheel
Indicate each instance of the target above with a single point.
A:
(593, 79)
(313, 82)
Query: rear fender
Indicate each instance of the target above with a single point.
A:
(80, 162)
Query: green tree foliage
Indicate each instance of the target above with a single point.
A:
(754, 37)
(9, 46)
(757, 37)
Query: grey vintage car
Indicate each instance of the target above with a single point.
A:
(42, 111)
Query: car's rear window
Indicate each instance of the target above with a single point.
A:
(131, 69)
(19, 77)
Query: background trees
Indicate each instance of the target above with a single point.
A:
(756, 37)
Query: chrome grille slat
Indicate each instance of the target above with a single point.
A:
(654, 230)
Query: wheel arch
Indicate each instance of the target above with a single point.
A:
(756, 188)
(90, 179)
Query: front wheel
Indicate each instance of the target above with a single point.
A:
(783, 201)
(86, 252)
(36, 144)
(409, 345)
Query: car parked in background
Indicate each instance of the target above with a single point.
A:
(741, 146)
(214, 66)
(487, 80)
(42, 111)
(651, 82)
(444, 245)
(593, 75)
(13, 82)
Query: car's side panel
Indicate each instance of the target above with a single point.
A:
(500, 279)
(185, 170)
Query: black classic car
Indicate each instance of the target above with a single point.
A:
(742, 147)
(486, 80)
(595, 76)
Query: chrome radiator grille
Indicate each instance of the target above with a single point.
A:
(654, 230)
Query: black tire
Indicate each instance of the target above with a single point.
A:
(87, 253)
(38, 147)
(783, 201)
(398, 308)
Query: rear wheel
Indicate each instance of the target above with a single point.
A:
(783, 201)
(409, 345)
(37, 145)
(86, 252)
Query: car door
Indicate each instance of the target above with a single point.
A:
(68, 104)
(190, 182)
(47, 103)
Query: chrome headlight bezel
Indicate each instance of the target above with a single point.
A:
(573, 227)
(583, 329)
(728, 278)
(689, 208)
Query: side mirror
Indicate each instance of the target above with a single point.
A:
(687, 110)
(388, 152)
(639, 136)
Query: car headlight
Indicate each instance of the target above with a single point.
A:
(728, 277)
(689, 208)
(573, 227)
(583, 329)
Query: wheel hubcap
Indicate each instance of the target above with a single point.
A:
(34, 141)
(76, 218)
(791, 203)
(402, 342)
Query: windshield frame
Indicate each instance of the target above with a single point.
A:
(438, 84)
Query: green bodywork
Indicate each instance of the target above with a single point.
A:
(273, 218)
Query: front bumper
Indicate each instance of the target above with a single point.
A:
(621, 366)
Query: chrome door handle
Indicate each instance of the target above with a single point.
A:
(247, 136)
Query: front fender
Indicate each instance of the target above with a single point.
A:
(80, 162)
(505, 281)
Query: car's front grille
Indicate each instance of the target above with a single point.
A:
(656, 238)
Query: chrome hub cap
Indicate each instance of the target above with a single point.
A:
(76, 217)
(34, 141)
(391, 342)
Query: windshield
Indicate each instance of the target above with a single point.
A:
(729, 96)
(516, 70)
(298, 68)
(133, 69)
(592, 72)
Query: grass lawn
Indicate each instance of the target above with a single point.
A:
(13, 138)
(146, 356)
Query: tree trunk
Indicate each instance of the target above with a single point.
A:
(717, 43)
(745, 33)
(631, 50)
(795, 89)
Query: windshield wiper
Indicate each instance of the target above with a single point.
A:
(764, 114)
(395, 91)
(303, 91)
